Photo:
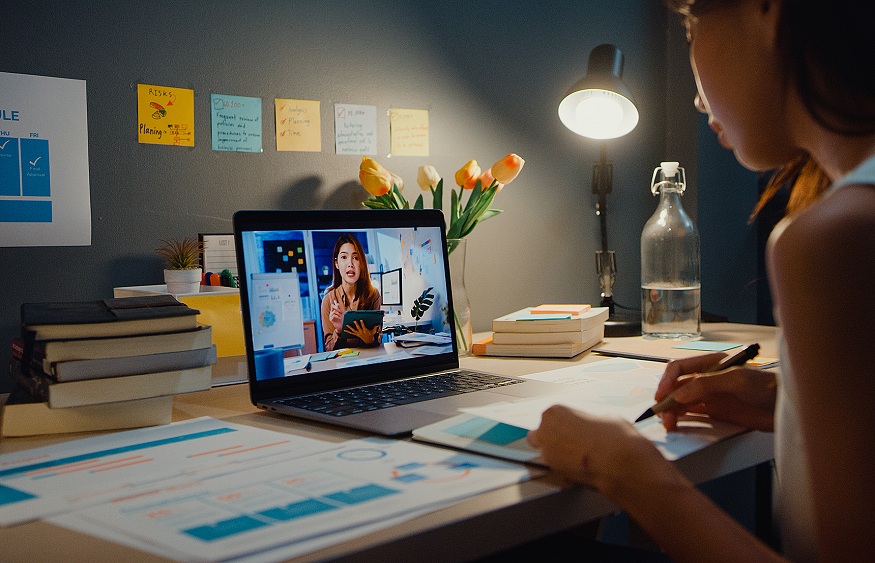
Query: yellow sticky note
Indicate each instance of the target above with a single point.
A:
(165, 115)
(298, 125)
(408, 132)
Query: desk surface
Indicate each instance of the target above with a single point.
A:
(475, 527)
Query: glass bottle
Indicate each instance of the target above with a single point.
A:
(670, 271)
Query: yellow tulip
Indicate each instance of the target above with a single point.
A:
(375, 179)
(507, 168)
(427, 177)
(467, 176)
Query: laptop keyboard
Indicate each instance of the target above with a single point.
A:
(395, 393)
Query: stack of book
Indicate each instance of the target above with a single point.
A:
(547, 331)
(100, 365)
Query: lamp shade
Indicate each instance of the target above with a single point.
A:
(599, 105)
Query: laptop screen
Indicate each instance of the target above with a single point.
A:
(332, 298)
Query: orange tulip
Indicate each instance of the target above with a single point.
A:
(487, 178)
(507, 168)
(467, 176)
(375, 179)
(427, 177)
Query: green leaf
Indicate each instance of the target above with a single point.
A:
(437, 195)
(373, 204)
(422, 303)
(476, 193)
(454, 210)
(418, 204)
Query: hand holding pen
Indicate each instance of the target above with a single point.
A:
(670, 402)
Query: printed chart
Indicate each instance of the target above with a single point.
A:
(296, 506)
(44, 481)
(44, 186)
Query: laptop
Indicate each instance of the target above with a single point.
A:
(394, 376)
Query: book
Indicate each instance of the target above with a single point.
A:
(560, 309)
(52, 351)
(110, 389)
(487, 347)
(549, 337)
(77, 370)
(524, 321)
(126, 316)
(25, 415)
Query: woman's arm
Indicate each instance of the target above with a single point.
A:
(330, 333)
(616, 459)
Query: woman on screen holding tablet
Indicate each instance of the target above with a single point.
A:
(781, 82)
(351, 290)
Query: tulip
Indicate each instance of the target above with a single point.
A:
(487, 178)
(375, 179)
(467, 176)
(507, 168)
(427, 177)
(396, 179)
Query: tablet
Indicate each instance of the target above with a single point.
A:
(370, 318)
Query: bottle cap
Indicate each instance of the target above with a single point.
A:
(669, 169)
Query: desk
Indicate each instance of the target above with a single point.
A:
(478, 526)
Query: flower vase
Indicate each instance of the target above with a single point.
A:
(461, 303)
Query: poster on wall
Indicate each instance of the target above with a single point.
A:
(45, 195)
(165, 115)
(236, 122)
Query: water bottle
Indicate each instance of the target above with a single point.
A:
(670, 274)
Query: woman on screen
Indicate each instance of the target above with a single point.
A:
(351, 290)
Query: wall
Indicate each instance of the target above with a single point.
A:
(490, 73)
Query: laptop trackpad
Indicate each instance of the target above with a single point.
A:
(450, 405)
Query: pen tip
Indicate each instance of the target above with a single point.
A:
(645, 415)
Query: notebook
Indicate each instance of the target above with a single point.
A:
(290, 278)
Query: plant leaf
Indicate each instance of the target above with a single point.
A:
(437, 195)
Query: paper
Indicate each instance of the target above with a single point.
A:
(236, 123)
(55, 479)
(355, 129)
(362, 483)
(298, 125)
(615, 387)
(165, 115)
(44, 181)
(408, 132)
(706, 346)
(219, 253)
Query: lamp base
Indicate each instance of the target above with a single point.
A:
(623, 325)
(619, 324)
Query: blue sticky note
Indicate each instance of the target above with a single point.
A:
(236, 123)
(707, 346)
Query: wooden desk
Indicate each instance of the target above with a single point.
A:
(478, 526)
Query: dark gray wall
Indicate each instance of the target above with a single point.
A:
(491, 73)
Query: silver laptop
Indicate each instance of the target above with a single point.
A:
(301, 272)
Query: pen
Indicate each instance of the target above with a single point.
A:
(738, 359)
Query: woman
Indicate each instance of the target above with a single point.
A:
(781, 81)
(351, 290)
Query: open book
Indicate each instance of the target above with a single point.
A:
(615, 387)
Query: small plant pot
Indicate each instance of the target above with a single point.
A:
(183, 281)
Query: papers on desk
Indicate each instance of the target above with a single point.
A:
(183, 492)
(616, 387)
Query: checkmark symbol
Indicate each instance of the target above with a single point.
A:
(3, 146)
(33, 162)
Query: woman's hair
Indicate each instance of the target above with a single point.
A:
(363, 287)
(826, 47)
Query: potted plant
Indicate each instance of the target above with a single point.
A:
(182, 271)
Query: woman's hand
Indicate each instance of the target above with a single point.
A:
(608, 454)
(335, 315)
(362, 332)
(742, 396)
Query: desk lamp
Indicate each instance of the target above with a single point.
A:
(599, 106)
